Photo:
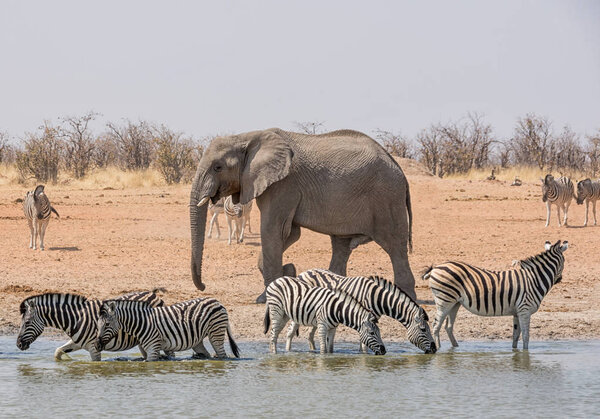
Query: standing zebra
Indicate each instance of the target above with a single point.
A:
(238, 214)
(515, 292)
(76, 316)
(178, 327)
(588, 191)
(378, 295)
(291, 298)
(215, 210)
(37, 209)
(558, 192)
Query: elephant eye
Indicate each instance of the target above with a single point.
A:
(218, 167)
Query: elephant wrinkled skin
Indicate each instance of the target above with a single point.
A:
(342, 183)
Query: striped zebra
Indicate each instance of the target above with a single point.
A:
(378, 295)
(588, 191)
(37, 209)
(558, 192)
(77, 317)
(291, 298)
(515, 292)
(215, 210)
(178, 327)
(238, 214)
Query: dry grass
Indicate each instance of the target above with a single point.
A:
(97, 179)
(526, 174)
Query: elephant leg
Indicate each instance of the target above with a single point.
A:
(403, 276)
(340, 253)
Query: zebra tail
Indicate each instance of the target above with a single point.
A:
(267, 320)
(54, 211)
(410, 217)
(234, 347)
(427, 273)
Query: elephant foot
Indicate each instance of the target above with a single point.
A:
(262, 299)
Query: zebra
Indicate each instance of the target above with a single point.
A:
(588, 191)
(76, 316)
(558, 192)
(515, 292)
(178, 327)
(37, 209)
(291, 298)
(215, 209)
(240, 215)
(378, 295)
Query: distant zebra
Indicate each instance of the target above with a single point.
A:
(588, 191)
(378, 295)
(238, 214)
(291, 298)
(558, 192)
(177, 327)
(76, 316)
(37, 209)
(215, 210)
(516, 292)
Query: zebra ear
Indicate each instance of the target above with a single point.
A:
(547, 246)
(424, 314)
(564, 246)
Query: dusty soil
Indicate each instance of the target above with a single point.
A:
(110, 242)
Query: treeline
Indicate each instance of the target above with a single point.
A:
(459, 147)
(72, 146)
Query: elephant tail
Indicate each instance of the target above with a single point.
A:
(267, 320)
(410, 218)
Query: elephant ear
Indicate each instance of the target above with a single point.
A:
(268, 160)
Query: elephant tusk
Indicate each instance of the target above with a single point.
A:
(203, 201)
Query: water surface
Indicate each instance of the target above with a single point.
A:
(553, 379)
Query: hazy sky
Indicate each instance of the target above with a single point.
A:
(233, 66)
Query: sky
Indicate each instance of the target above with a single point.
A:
(221, 67)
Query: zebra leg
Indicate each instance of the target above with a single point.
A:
(31, 233)
(450, 324)
(548, 211)
(241, 226)
(587, 207)
(43, 233)
(292, 330)
(311, 338)
(278, 322)
(200, 351)
(330, 339)
(340, 253)
(566, 211)
(217, 341)
(524, 322)
(363, 348)
(593, 209)
(248, 222)
(218, 228)
(323, 333)
(229, 229)
(516, 331)
(35, 233)
(558, 215)
(152, 352)
(212, 222)
(70, 346)
(440, 316)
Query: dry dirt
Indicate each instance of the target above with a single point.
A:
(110, 242)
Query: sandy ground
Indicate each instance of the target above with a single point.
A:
(110, 242)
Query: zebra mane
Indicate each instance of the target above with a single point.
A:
(384, 283)
(74, 299)
(124, 303)
(529, 262)
(348, 297)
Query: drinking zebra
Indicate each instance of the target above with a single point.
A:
(516, 292)
(37, 209)
(77, 317)
(588, 191)
(558, 192)
(178, 327)
(378, 295)
(238, 214)
(215, 210)
(291, 298)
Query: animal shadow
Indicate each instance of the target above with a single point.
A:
(66, 249)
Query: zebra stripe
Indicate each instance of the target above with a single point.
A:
(238, 214)
(517, 292)
(558, 192)
(178, 327)
(291, 298)
(587, 191)
(37, 209)
(378, 295)
(77, 317)
(215, 210)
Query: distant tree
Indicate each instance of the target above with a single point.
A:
(394, 143)
(593, 152)
(316, 127)
(430, 150)
(174, 154)
(41, 155)
(79, 143)
(135, 144)
(533, 143)
(569, 153)
(5, 147)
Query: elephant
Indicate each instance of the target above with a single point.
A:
(342, 183)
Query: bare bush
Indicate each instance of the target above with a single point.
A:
(174, 155)
(533, 142)
(592, 150)
(569, 154)
(316, 127)
(135, 144)
(430, 150)
(395, 144)
(41, 156)
(105, 152)
(79, 143)
(7, 151)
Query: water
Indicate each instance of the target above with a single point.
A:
(555, 379)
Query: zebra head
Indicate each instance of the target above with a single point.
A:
(370, 335)
(546, 182)
(555, 252)
(419, 334)
(108, 324)
(32, 324)
(584, 189)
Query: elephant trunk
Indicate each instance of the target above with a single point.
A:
(198, 227)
